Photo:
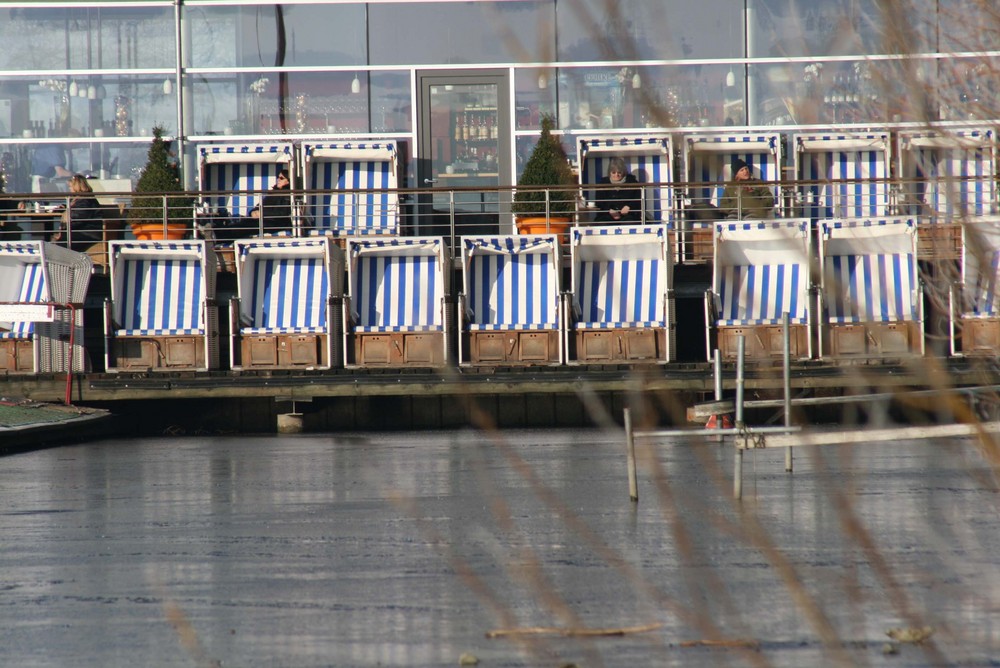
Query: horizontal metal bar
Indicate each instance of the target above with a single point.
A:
(879, 435)
(715, 432)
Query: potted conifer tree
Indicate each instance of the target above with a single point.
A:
(547, 172)
(146, 215)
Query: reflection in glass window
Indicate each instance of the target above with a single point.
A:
(86, 37)
(391, 109)
(284, 103)
(649, 29)
(817, 28)
(535, 96)
(473, 32)
(276, 35)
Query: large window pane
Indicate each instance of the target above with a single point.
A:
(819, 27)
(458, 33)
(649, 30)
(86, 38)
(276, 35)
(87, 106)
(611, 98)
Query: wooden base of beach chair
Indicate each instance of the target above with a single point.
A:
(159, 353)
(764, 341)
(939, 241)
(874, 339)
(513, 347)
(17, 356)
(980, 336)
(398, 349)
(283, 351)
(600, 346)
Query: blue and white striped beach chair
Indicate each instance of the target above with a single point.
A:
(234, 176)
(851, 173)
(872, 297)
(284, 315)
(708, 162)
(622, 305)
(355, 188)
(761, 271)
(949, 178)
(974, 304)
(36, 280)
(509, 308)
(394, 313)
(162, 315)
(648, 158)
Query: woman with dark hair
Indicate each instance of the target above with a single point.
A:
(275, 209)
(272, 214)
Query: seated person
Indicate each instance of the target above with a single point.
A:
(746, 197)
(621, 204)
(273, 214)
(84, 218)
(48, 161)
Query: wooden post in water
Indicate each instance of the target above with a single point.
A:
(633, 485)
(738, 462)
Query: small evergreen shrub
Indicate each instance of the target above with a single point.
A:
(547, 166)
(159, 176)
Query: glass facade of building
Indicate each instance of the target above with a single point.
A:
(94, 78)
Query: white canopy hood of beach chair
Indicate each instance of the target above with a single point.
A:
(762, 145)
(842, 144)
(386, 153)
(627, 148)
(950, 141)
(222, 154)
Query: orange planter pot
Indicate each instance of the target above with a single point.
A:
(542, 225)
(149, 231)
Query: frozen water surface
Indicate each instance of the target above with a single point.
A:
(409, 549)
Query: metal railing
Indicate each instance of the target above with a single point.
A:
(456, 211)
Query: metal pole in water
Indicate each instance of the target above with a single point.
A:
(787, 338)
(633, 486)
(717, 362)
(738, 462)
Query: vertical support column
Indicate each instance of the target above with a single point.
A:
(633, 485)
(740, 446)
(786, 337)
(717, 367)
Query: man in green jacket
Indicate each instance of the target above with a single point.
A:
(746, 197)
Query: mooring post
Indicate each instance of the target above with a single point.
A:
(717, 364)
(738, 462)
(633, 485)
(785, 322)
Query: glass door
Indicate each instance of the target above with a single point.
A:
(463, 152)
